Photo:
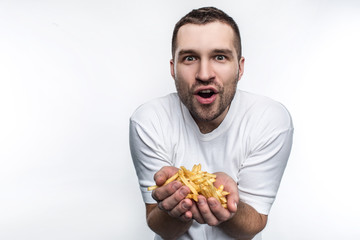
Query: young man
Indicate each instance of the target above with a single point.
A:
(244, 139)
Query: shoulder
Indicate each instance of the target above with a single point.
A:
(264, 111)
(159, 109)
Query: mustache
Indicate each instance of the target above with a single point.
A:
(212, 83)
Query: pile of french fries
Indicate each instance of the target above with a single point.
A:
(199, 183)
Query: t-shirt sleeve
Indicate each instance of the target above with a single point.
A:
(149, 155)
(263, 167)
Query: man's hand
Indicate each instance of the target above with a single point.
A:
(209, 211)
(171, 197)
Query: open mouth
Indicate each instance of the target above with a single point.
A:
(208, 93)
(206, 96)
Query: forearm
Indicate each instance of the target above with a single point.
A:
(164, 225)
(245, 224)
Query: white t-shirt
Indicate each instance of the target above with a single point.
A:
(252, 145)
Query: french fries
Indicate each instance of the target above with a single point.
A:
(199, 183)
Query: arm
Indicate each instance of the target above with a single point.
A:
(245, 224)
(261, 173)
(258, 182)
(163, 224)
(239, 220)
(170, 217)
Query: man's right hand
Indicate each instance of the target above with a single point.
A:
(171, 198)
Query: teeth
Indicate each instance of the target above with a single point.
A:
(206, 91)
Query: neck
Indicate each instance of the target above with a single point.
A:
(209, 126)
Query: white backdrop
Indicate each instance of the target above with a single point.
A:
(72, 73)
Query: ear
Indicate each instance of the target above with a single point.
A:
(241, 67)
(172, 68)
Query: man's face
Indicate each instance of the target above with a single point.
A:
(206, 71)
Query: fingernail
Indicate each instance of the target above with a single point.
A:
(201, 201)
(157, 176)
(183, 192)
(212, 203)
(176, 185)
(185, 205)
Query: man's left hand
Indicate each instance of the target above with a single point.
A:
(210, 211)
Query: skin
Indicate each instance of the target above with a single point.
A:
(205, 59)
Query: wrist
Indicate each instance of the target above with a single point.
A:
(166, 226)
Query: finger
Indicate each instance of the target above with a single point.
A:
(231, 187)
(196, 214)
(217, 210)
(232, 203)
(187, 216)
(205, 212)
(172, 201)
(163, 174)
(182, 210)
(164, 192)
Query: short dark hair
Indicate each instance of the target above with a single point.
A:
(203, 16)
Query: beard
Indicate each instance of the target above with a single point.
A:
(207, 112)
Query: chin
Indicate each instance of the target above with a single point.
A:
(205, 116)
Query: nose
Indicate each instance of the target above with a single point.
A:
(205, 71)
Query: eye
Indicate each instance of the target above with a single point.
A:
(189, 58)
(220, 57)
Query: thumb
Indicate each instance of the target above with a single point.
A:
(163, 174)
(232, 205)
(233, 202)
(159, 178)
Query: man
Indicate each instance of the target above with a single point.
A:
(243, 138)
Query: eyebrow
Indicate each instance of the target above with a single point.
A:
(224, 51)
(186, 51)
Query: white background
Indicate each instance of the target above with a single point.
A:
(72, 73)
